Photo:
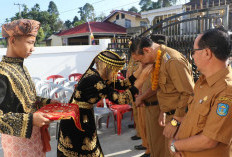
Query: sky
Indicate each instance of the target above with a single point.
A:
(68, 8)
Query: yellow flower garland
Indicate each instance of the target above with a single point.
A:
(155, 73)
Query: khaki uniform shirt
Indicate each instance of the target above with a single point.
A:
(145, 87)
(210, 113)
(175, 82)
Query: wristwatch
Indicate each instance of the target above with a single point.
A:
(172, 147)
(174, 122)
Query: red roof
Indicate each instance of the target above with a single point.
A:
(96, 27)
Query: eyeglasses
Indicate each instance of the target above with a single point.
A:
(193, 51)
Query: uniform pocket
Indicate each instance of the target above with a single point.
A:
(162, 83)
(203, 112)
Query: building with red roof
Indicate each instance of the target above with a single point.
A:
(81, 35)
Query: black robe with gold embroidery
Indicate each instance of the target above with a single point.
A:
(91, 88)
(18, 98)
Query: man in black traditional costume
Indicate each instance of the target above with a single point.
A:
(95, 85)
(19, 125)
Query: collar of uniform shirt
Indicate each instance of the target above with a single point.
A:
(218, 75)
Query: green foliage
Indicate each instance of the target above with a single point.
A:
(50, 21)
(133, 9)
(145, 5)
(149, 4)
(40, 36)
(75, 19)
(77, 23)
(87, 12)
(52, 8)
(68, 24)
(100, 18)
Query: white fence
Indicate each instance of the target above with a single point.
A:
(61, 60)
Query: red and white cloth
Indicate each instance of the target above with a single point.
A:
(22, 147)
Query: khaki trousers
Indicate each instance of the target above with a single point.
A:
(167, 152)
(142, 127)
(135, 114)
(154, 132)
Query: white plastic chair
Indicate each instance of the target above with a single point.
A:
(61, 94)
(100, 112)
(46, 89)
(35, 79)
(70, 84)
(39, 84)
(61, 81)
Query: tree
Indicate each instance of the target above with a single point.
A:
(81, 12)
(156, 5)
(75, 19)
(68, 24)
(88, 13)
(100, 18)
(133, 9)
(149, 5)
(59, 25)
(145, 5)
(52, 8)
(167, 3)
(50, 21)
(35, 12)
(40, 36)
(7, 20)
(78, 23)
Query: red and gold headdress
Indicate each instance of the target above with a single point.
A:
(22, 27)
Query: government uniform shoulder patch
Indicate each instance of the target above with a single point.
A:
(168, 56)
(222, 109)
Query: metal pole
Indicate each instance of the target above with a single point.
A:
(19, 9)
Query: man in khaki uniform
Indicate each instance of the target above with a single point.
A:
(175, 82)
(154, 132)
(132, 67)
(206, 129)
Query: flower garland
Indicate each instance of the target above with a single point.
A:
(155, 73)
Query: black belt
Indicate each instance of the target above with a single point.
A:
(171, 112)
(151, 103)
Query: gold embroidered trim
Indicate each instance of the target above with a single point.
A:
(102, 95)
(124, 97)
(110, 63)
(78, 94)
(25, 125)
(225, 99)
(128, 92)
(97, 153)
(115, 96)
(84, 105)
(127, 82)
(12, 60)
(6, 128)
(99, 85)
(89, 73)
(44, 101)
(23, 88)
(67, 152)
(88, 144)
(92, 100)
(66, 142)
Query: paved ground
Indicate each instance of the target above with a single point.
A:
(112, 144)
